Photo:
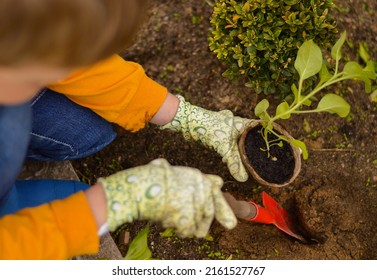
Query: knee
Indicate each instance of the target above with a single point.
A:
(64, 130)
(77, 145)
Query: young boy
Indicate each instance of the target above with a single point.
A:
(62, 85)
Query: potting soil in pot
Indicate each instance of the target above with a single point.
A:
(278, 167)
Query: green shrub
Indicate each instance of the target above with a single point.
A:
(259, 39)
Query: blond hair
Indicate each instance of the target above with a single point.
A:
(66, 32)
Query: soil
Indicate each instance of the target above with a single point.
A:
(275, 166)
(335, 196)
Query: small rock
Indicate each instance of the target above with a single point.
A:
(124, 237)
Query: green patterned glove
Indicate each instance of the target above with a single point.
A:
(180, 197)
(217, 130)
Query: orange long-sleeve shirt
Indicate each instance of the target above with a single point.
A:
(58, 230)
(120, 92)
(117, 90)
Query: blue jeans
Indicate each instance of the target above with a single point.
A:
(63, 130)
(49, 128)
(15, 125)
(31, 193)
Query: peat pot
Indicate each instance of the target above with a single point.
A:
(279, 169)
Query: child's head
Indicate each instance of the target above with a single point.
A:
(59, 35)
(65, 32)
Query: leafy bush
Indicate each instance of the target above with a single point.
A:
(259, 39)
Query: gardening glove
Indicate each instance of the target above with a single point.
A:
(180, 197)
(217, 130)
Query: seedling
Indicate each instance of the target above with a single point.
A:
(309, 62)
(365, 56)
(139, 249)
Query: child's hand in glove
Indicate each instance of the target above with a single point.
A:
(217, 130)
(180, 197)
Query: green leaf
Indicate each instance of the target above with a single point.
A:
(249, 84)
(333, 103)
(324, 74)
(209, 237)
(291, 2)
(370, 67)
(309, 60)
(269, 127)
(261, 107)
(353, 70)
(295, 92)
(281, 110)
(138, 249)
(301, 145)
(306, 126)
(307, 102)
(364, 53)
(373, 96)
(264, 116)
(169, 232)
(336, 49)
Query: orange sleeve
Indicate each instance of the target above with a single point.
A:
(59, 230)
(117, 90)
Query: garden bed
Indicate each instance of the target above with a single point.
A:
(335, 195)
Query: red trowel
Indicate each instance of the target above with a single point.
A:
(271, 213)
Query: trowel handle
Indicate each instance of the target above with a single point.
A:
(249, 210)
(241, 209)
(263, 215)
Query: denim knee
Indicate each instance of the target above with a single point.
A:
(64, 130)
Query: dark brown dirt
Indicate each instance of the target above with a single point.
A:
(335, 195)
(275, 166)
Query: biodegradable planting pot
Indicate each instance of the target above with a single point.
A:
(278, 170)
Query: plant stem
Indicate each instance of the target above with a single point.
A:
(297, 103)
(268, 143)
(334, 79)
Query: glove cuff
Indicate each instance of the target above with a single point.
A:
(116, 214)
(180, 118)
(213, 129)
(136, 193)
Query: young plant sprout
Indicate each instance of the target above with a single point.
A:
(309, 62)
(138, 249)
